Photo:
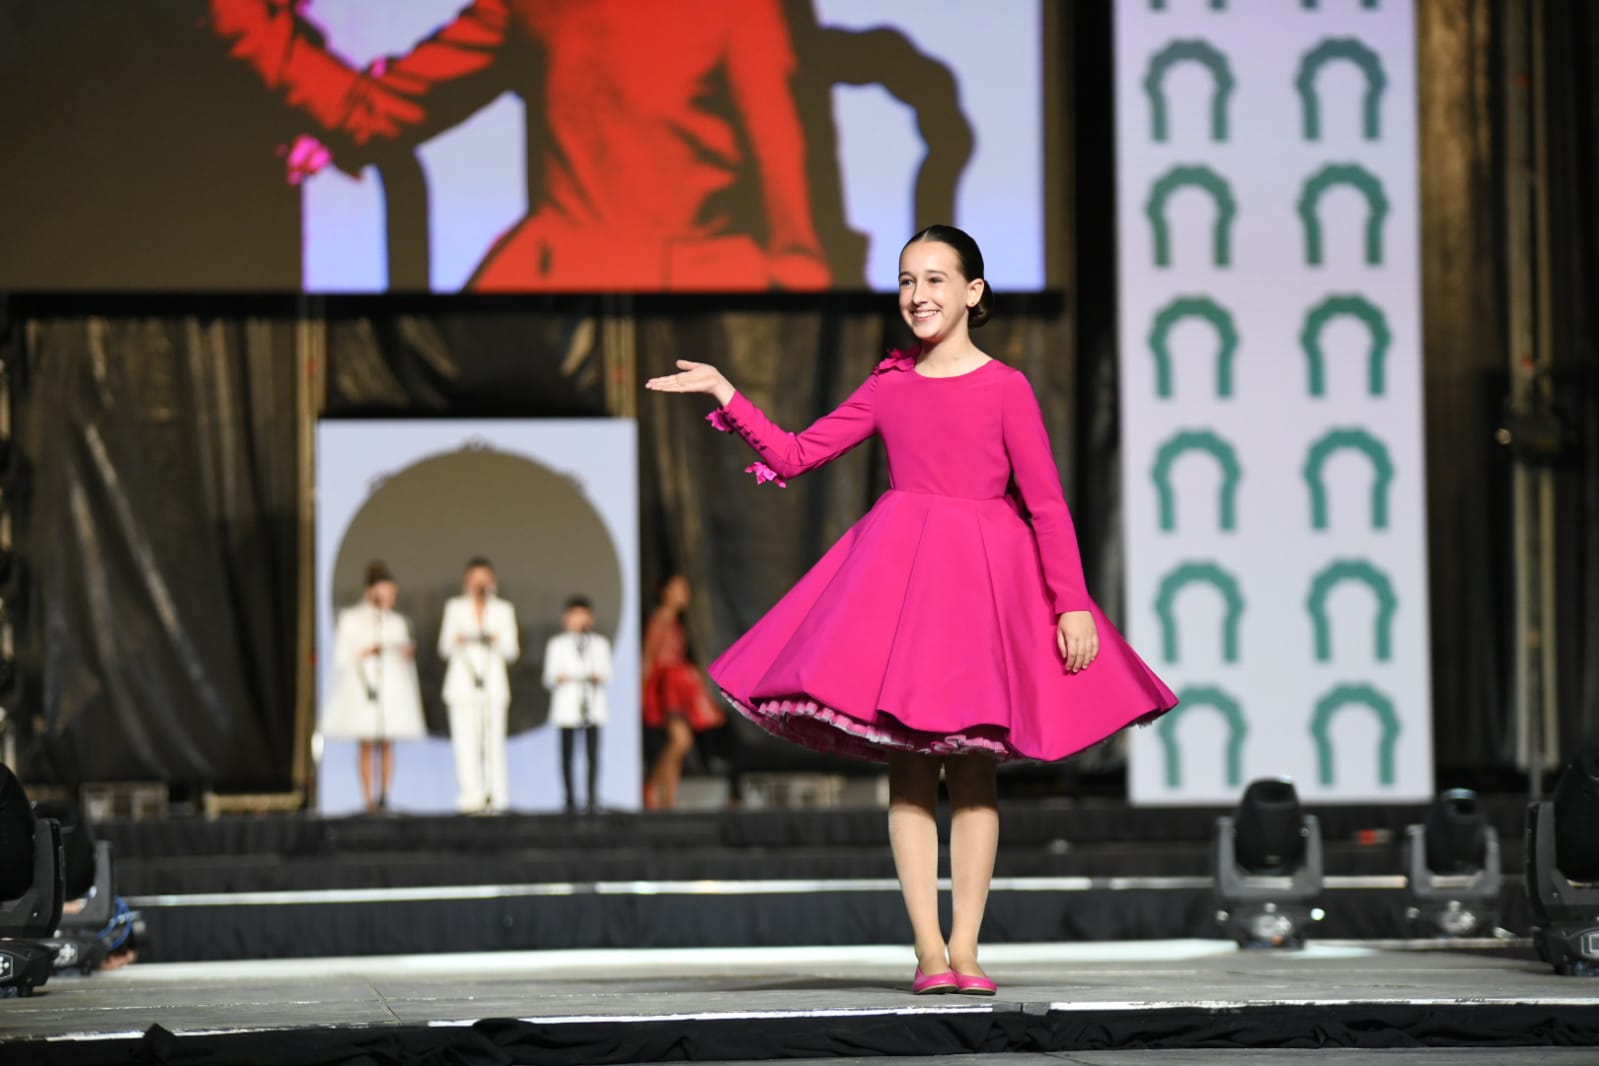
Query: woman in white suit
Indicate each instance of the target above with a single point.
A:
(375, 698)
(478, 638)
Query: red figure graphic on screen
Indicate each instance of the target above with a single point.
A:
(665, 149)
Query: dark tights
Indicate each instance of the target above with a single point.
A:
(591, 748)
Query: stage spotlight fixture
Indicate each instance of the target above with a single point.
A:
(31, 882)
(1452, 869)
(96, 921)
(1562, 868)
(1268, 868)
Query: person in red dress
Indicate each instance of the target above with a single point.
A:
(675, 699)
(665, 147)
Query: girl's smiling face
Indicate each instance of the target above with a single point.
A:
(934, 295)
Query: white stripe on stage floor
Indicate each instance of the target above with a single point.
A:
(703, 888)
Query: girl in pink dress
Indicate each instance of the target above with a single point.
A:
(950, 628)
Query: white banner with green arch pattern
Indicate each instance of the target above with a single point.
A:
(1271, 395)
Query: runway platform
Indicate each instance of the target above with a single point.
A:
(761, 1005)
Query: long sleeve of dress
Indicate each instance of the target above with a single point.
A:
(792, 454)
(1038, 480)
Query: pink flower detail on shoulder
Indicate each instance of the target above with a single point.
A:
(764, 473)
(719, 422)
(897, 360)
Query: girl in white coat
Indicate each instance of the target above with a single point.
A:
(478, 638)
(577, 667)
(376, 699)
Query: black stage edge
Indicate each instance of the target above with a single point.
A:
(498, 918)
(1005, 1028)
(289, 886)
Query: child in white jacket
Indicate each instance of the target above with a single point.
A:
(577, 667)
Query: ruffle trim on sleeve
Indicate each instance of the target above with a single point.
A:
(764, 473)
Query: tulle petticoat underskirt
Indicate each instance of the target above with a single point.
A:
(823, 729)
(831, 732)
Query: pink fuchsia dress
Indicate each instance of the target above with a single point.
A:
(931, 625)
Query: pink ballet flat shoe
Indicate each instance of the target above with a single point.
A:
(972, 985)
(927, 984)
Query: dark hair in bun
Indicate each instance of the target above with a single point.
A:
(971, 262)
(377, 572)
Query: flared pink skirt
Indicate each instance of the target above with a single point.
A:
(928, 628)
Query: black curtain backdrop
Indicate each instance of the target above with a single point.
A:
(162, 531)
(410, 357)
(1465, 382)
(1573, 95)
(161, 536)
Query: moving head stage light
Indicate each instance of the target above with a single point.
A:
(94, 920)
(1268, 868)
(1452, 869)
(1562, 868)
(31, 877)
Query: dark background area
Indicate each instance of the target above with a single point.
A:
(158, 504)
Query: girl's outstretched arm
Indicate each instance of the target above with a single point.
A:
(788, 454)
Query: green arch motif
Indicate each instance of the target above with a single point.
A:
(1202, 440)
(1221, 76)
(1350, 695)
(1382, 469)
(1354, 51)
(1226, 340)
(1221, 193)
(1184, 575)
(1310, 5)
(1362, 181)
(1237, 729)
(1364, 572)
(1160, 5)
(1376, 325)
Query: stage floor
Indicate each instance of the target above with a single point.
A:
(759, 1004)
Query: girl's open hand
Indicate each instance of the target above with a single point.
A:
(1078, 639)
(694, 377)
